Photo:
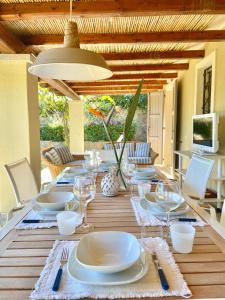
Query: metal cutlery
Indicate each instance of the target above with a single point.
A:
(162, 277)
(37, 221)
(63, 261)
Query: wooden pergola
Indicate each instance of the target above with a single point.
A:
(153, 40)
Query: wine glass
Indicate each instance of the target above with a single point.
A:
(84, 190)
(128, 170)
(90, 165)
(87, 154)
(168, 197)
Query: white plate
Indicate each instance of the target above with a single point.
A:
(155, 210)
(44, 212)
(75, 172)
(86, 276)
(145, 172)
(142, 177)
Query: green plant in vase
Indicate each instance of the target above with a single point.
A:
(127, 126)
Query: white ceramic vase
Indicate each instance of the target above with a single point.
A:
(110, 184)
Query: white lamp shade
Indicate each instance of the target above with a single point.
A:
(70, 64)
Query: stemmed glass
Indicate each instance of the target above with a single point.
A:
(87, 154)
(90, 165)
(128, 170)
(168, 197)
(84, 190)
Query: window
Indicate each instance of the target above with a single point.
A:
(207, 84)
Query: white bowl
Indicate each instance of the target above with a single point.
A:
(54, 200)
(108, 252)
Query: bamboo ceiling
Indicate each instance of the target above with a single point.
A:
(127, 42)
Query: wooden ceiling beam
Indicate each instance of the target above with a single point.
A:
(144, 76)
(116, 88)
(186, 54)
(149, 67)
(114, 83)
(105, 92)
(62, 88)
(110, 8)
(9, 43)
(138, 37)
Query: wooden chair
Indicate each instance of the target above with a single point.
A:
(23, 182)
(150, 160)
(154, 155)
(197, 177)
(55, 170)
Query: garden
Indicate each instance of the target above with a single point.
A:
(54, 115)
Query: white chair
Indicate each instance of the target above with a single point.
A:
(222, 218)
(197, 176)
(23, 181)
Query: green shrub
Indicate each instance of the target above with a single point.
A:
(96, 132)
(52, 133)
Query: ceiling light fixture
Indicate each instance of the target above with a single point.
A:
(70, 62)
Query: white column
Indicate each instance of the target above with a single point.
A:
(76, 125)
(19, 121)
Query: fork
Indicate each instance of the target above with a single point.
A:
(63, 261)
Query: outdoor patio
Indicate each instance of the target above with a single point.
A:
(112, 126)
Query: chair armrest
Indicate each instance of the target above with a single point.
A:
(154, 155)
(78, 156)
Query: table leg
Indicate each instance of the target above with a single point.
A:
(219, 183)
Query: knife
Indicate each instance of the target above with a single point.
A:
(187, 220)
(162, 276)
(37, 221)
(184, 219)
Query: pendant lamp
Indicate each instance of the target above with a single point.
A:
(70, 62)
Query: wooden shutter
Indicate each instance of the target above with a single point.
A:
(155, 123)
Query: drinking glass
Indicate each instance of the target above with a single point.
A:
(67, 222)
(84, 190)
(182, 236)
(143, 189)
(168, 197)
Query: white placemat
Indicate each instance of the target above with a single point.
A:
(32, 215)
(144, 218)
(148, 286)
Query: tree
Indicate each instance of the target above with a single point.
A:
(54, 109)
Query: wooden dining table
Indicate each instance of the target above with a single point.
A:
(23, 252)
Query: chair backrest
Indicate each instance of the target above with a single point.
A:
(197, 176)
(222, 218)
(109, 155)
(23, 181)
